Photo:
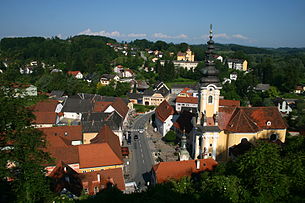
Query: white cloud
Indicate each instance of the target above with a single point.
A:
(239, 36)
(59, 36)
(165, 36)
(100, 33)
(222, 35)
(137, 35)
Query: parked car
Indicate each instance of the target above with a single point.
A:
(136, 137)
(141, 131)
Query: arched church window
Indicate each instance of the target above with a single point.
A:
(210, 100)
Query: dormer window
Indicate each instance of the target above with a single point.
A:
(268, 123)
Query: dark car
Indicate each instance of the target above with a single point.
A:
(135, 137)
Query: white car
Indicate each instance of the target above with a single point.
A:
(141, 131)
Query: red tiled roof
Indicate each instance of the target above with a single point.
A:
(97, 155)
(177, 169)
(71, 133)
(44, 117)
(68, 154)
(106, 135)
(164, 110)
(114, 176)
(120, 106)
(48, 105)
(250, 119)
(190, 100)
(101, 106)
(227, 102)
(74, 73)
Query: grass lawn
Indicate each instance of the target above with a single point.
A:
(142, 108)
(181, 81)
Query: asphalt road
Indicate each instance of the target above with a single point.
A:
(142, 161)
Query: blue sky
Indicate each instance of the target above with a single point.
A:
(263, 23)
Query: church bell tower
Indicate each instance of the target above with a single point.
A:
(210, 86)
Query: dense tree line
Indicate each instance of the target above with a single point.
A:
(83, 53)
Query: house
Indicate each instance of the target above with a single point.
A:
(188, 65)
(76, 74)
(188, 56)
(135, 98)
(238, 64)
(233, 76)
(164, 117)
(45, 119)
(107, 78)
(217, 128)
(96, 164)
(152, 98)
(262, 87)
(26, 70)
(186, 103)
(23, 90)
(175, 170)
(58, 95)
(218, 57)
(299, 89)
(177, 88)
(187, 92)
(65, 180)
(127, 73)
(285, 106)
(141, 85)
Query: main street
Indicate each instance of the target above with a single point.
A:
(142, 161)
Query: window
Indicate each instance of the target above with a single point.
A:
(273, 137)
(92, 170)
(210, 145)
(96, 190)
(210, 154)
(86, 191)
(210, 100)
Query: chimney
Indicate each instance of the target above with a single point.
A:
(98, 177)
(197, 164)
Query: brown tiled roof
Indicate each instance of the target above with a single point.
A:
(113, 176)
(48, 105)
(106, 135)
(227, 102)
(97, 155)
(101, 106)
(164, 110)
(241, 122)
(250, 119)
(71, 133)
(120, 106)
(190, 100)
(67, 154)
(177, 169)
(184, 122)
(63, 176)
(44, 117)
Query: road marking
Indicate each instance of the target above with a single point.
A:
(142, 156)
(143, 161)
(141, 150)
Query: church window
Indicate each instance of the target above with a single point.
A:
(210, 100)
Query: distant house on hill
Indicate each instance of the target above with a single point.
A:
(76, 74)
(238, 64)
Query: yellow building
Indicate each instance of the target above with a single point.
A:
(217, 129)
(238, 64)
(188, 56)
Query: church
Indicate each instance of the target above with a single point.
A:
(217, 128)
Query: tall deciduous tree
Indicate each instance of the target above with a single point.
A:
(22, 156)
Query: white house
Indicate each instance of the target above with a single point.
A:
(233, 76)
(76, 74)
(164, 117)
(186, 102)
